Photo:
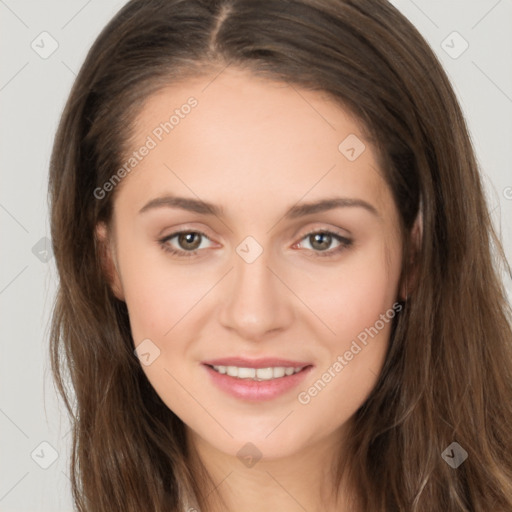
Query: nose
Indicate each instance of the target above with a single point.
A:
(256, 301)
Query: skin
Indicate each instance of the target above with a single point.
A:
(256, 148)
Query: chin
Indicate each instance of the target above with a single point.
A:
(268, 440)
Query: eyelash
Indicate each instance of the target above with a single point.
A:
(345, 243)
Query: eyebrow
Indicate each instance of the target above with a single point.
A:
(297, 210)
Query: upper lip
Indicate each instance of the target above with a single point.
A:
(264, 362)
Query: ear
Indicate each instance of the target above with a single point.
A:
(108, 260)
(411, 272)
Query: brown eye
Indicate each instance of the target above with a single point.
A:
(189, 240)
(320, 241)
(185, 243)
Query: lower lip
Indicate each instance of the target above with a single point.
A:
(256, 391)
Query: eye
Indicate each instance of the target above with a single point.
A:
(320, 242)
(189, 243)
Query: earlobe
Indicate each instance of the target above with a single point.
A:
(411, 264)
(108, 261)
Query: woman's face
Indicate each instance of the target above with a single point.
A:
(212, 241)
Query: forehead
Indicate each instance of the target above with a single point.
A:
(248, 137)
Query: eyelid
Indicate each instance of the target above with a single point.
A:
(322, 228)
(181, 228)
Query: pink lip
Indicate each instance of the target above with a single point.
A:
(252, 390)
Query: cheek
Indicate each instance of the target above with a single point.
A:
(156, 304)
(350, 297)
(160, 302)
(157, 292)
(357, 302)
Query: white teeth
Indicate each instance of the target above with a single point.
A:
(274, 372)
(279, 371)
(264, 373)
(246, 373)
(232, 371)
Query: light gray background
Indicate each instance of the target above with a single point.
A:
(32, 94)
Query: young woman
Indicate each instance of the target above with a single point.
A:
(279, 287)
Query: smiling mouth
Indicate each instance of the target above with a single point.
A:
(258, 374)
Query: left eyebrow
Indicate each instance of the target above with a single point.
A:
(303, 209)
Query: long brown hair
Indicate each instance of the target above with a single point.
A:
(448, 372)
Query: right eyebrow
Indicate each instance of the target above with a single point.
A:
(185, 203)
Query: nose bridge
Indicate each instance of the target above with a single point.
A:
(256, 301)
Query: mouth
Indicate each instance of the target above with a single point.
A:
(256, 380)
(257, 374)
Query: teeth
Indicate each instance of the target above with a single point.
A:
(277, 372)
(245, 373)
(274, 372)
(265, 373)
(232, 371)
